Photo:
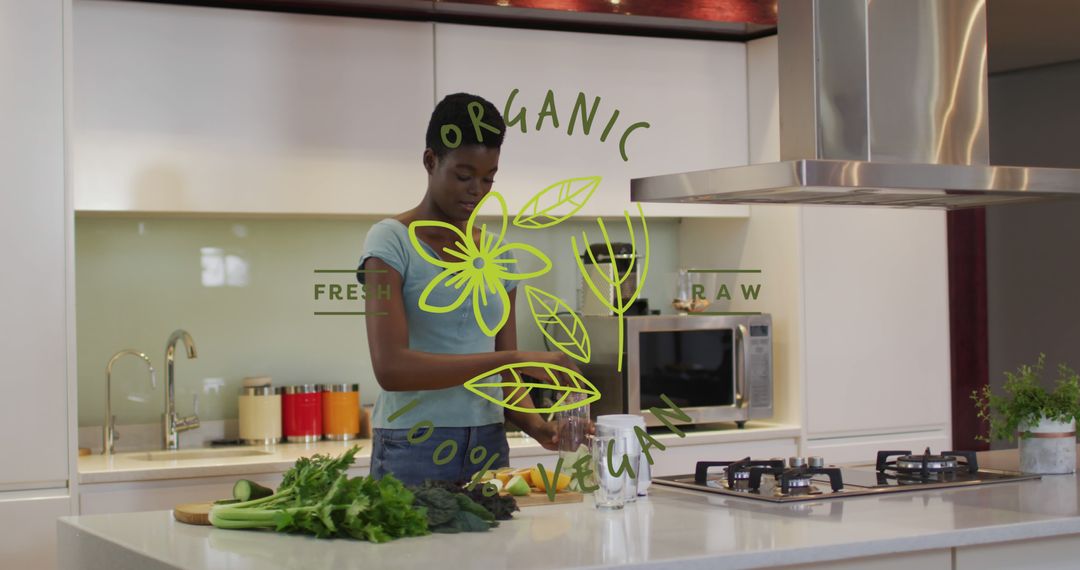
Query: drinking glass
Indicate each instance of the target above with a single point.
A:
(573, 427)
(622, 426)
(612, 491)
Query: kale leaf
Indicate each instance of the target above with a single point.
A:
(450, 512)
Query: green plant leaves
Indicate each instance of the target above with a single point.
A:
(556, 203)
(521, 387)
(1026, 401)
(547, 309)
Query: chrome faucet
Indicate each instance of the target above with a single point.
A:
(110, 420)
(171, 424)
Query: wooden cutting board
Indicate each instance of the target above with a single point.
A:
(193, 513)
(539, 498)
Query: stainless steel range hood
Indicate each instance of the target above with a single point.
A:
(882, 102)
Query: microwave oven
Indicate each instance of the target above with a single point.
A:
(714, 368)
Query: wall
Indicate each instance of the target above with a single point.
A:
(244, 289)
(1032, 249)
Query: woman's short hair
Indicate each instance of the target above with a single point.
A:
(454, 110)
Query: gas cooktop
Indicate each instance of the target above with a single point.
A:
(808, 479)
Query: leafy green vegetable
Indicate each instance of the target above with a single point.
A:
(468, 505)
(500, 506)
(317, 497)
(450, 512)
(465, 522)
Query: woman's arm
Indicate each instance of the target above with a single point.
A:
(530, 423)
(397, 368)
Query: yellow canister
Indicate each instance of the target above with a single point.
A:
(260, 415)
(341, 411)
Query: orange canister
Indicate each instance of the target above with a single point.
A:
(341, 411)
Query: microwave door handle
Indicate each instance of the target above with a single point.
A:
(740, 364)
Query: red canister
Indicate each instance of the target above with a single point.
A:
(301, 412)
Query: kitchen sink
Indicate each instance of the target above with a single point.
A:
(198, 454)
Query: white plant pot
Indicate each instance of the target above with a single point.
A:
(1050, 450)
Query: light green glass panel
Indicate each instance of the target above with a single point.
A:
(244, 289)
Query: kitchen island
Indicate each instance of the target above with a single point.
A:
(1028, 524)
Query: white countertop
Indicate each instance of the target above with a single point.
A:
(279, 458)
(669, 529)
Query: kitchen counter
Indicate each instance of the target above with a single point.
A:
(124, 467)
(670, 529)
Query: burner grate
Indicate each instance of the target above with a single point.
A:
(735, 471)
(928, 465)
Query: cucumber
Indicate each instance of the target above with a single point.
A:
(248, 490)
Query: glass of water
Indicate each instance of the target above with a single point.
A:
(613, 490)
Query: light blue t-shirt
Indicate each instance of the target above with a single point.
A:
(455, 332)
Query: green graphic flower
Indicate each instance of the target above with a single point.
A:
(479, 268)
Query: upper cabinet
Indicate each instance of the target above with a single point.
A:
(618, 107)
(199, 110)
(34, 290)
(189, 109)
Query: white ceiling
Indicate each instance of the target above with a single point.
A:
(1029, 33)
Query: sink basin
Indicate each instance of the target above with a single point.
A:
(198, 454)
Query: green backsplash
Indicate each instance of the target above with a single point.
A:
(244, 289)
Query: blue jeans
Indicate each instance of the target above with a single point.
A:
(432, 457)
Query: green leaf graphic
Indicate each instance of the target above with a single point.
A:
(547, 309)
(615, 280)
(522, 386)
(556, 203)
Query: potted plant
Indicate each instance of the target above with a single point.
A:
(1044, 421)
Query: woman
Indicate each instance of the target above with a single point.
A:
(429, 337)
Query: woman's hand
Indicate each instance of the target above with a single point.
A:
(547, 433)
(545, 374)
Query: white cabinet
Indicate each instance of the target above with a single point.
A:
(940, 559)
(34, 292)
(864, 448)
(33, 307)
(691, 93)
(191, 109)
(876, 321)
(1030, 554)
(29, 527)
(299, 114)
(164, 494)
(130, 497)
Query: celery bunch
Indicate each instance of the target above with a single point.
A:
(317, 497)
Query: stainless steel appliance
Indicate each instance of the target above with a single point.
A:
(809, 479)
(714, 368)
(882, 102)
